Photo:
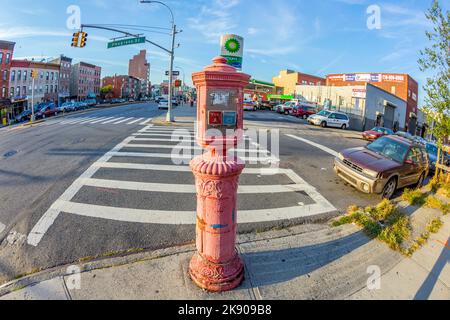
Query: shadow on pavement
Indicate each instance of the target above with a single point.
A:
(429, 283)
(272, 267)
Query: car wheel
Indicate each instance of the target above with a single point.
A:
(344, 126)
(420, 182)
(305, 117)
(389, 189)
(255, 109)
(323, 124)
(43, 116)
(286, 112)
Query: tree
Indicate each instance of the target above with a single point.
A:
(436, 60)
(104, 91)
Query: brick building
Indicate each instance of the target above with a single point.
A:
(288, 80)
(65, 70)
(6, 54)
(124, 86)
(400, 85)
(85, 81)
(46, 85)
(139, 68)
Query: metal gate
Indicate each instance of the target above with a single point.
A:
(389, 115)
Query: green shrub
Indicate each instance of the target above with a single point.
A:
(414, 197)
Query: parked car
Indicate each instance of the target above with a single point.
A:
(432, 150)
(24, 116)
(285, 108)
(376, 132)
(47, 111)
(383, 166)
(163, 104)
(264, 105)
(327, 118)
(301, 111)
(249, 106)
(91, 102)
(66, 107)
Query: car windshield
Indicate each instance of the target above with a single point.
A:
(324, 113)
(389, 148)
(432, 149)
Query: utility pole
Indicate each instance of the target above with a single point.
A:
(169, 117)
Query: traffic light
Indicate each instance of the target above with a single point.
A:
(75, 39)
(178, 83)
(83, 39)
(34, 74)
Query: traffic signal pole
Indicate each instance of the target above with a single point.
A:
(32, 98)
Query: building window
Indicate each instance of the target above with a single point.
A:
(18, 92)
(13, 75)
(11, 91)
(1, 57)
(25, 74)
(5, 75)
(19, 75)
(3, 92)
(46, 88)
(8, 56)
(393, 89)
(47, 76)
(51, 88)
(24, 90)
(53, 76)
(56, 89)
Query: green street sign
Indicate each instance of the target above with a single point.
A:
(125, 42)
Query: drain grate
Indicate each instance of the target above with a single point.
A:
(10, 153)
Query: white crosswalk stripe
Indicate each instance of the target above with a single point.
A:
(107, 120)
(118, 161)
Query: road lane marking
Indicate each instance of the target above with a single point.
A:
(2, 227)
(184, 188)
(319, 146)
(65, 204)
(115, 119)
(146, 122)
(182, 156)
(124, 120)
(180, 168)
(137, 120)
(71, 121)
(169, 134)
(49, 217)
(89, 120)
(97, 121)
(184, 217)
(190, 147)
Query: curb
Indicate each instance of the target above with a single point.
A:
(124, 259)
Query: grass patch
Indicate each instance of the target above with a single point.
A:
(384, 222)
(435, 225)
(414, 197)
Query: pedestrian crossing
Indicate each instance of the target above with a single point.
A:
(146, 179)
(107, 120)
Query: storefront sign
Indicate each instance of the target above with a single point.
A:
(359, 93)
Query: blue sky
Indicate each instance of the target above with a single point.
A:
(318, 37)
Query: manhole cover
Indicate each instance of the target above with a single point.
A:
(10, 153)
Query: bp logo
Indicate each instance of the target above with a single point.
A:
(232, 46)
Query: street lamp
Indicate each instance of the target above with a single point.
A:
(169, 117)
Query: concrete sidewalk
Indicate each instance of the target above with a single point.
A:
(302, 262)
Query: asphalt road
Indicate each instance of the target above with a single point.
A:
(104, 182)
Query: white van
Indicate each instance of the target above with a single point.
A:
(326, 118)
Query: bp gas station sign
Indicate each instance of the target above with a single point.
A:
(232, 48)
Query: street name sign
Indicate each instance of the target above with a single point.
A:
(125, 42)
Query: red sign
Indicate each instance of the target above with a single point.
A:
(215, 117)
